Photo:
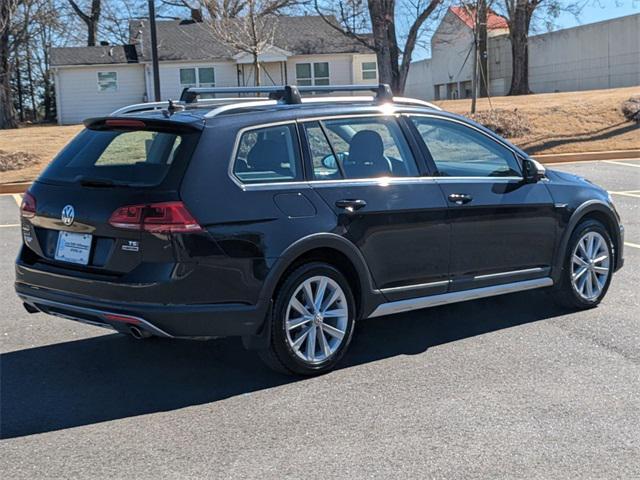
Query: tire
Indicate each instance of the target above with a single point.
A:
(597, 274)
(296, 322)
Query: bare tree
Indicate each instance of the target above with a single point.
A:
(250, 30)
(91, 19)
(393, 61)
(7, 111)
(520, 15)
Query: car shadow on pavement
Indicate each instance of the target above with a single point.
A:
(110, 377)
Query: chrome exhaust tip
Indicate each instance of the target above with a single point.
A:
(139, 334)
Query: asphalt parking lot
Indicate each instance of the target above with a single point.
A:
(509, 387)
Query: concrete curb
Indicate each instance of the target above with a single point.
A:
(21, 187)
(6, 188)
(589, 156)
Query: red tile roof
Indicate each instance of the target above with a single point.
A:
(468, 16)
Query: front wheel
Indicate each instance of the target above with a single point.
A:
(588, 267)
(312, 321)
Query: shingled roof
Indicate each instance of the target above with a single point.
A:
(184, 40)
(188, 40)
(102, 55)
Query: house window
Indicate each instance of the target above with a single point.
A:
(107, 81)
(312, 73)
(197, 77)
(369, 71)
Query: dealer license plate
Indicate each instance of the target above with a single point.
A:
(73, 247)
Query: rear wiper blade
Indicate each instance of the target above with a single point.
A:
(86, 181)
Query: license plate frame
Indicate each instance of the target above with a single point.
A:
(73, 247)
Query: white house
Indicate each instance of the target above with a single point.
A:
(93, 81)
(594, 56)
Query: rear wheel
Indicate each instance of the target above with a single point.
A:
(312, 321)
(588, 267)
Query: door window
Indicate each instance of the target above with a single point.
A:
(268, 154)
(461, 151)
(359, 148)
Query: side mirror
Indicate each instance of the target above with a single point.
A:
(533, 170)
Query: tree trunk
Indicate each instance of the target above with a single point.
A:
(385, 43)
(92, 33)
(518, 34)
(7, 112)
(256, 70)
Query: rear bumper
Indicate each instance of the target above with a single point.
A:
(172, 321)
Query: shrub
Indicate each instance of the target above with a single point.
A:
(631, 109)
(507, 123)
(16, 160)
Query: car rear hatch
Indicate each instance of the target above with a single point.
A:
(109, 201)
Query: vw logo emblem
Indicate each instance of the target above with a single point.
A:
(68, 215)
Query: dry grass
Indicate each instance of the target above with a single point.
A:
(570, 122)
(41, 143)
(558, 122)
(507, 123)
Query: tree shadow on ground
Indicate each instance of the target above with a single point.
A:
(109, 377)
(546, 143)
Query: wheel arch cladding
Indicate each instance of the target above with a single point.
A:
(333, 250)
(590, 210)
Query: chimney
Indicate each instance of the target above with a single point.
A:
(196, 15)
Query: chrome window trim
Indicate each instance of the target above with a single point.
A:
(236, 146)
(473, 127)
(382, 181)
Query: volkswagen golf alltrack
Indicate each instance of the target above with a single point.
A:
(284, 219)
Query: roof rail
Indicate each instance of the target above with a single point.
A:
(141, 107)
(289, 94)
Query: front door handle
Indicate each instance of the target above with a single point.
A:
(460, 198)
(351, 205)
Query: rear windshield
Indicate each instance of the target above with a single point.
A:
(133, 158)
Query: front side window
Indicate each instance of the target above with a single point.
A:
(107, 81)
(308, 74)
(197, 77)
(461, 151)
(268, 154)
(354, 148)
(369, 71)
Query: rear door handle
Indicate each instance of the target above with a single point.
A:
(460, 198)
(351, 205)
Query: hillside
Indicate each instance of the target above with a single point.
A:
(588, 121)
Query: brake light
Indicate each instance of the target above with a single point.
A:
(28, 206)
(166, 217)
(125, 123)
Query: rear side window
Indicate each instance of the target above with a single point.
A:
(460, 151)
(354, 148)
(133, 158)
(267, 155)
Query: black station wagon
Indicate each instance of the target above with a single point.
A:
(285, 219)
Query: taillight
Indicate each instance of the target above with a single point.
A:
(28, 206)
(166, 217)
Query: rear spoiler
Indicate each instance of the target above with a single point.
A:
(140, 123)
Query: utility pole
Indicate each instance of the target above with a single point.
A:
(154, 51)
(478, 82)
(482, 47)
